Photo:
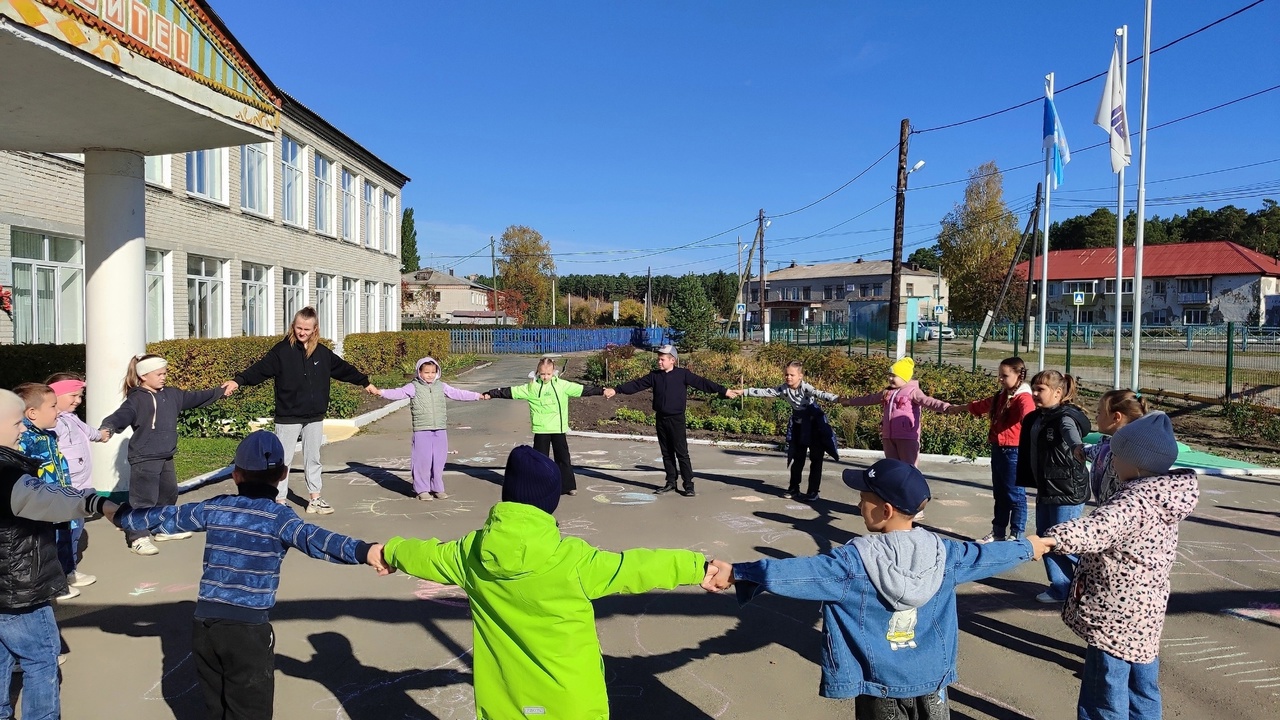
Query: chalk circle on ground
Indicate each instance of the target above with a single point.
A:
(749, 498)
(749, 460)
(407, 507)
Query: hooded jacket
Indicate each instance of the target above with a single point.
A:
(1006, 409)
(30, 574)
(901, 420)
(530, 590)
(42, 446)
(426, 400)
(302, 383)
(154, 419)
(548, 401)
(74, 437)
(1127, 547)
(888, 606)
(1046, 455)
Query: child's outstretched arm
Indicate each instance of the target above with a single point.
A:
(823, 577)
(124, 417)
(1110, 523)
(401, 393)
(873, 399)
(192, 399)
(33, 499)
(502, 393)
(322, 544)
(171, 519)
(640, 570)
(427, 559)
(459, 394)
(929, 403)
(977, 562)
(771, 392)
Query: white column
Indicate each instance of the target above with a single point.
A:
(115, 300)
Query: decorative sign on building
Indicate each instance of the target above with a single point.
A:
(139, 21)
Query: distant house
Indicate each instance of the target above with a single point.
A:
(837, 292)
(440, 296)
(1204, 283)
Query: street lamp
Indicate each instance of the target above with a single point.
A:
(898, 337)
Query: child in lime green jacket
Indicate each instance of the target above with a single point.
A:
(530, 590)
(548, 398)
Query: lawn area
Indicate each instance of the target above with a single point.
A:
(197, 456)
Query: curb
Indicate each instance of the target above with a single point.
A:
(359, 421)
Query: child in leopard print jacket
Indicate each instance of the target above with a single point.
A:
(1127, 547)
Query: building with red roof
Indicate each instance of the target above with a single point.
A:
(1204, 283)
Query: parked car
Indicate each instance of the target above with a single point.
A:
(929, 329)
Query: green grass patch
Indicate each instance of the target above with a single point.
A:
(197, 456)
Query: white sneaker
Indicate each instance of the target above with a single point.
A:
(79, 579)
(70, 593)
(319, 506)
(425, 497)
(442, 495)
(144, 546)
(988, 538)
(164, 537)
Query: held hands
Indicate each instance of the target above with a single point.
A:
(1078, 452)
(229, 387)
(610, 392)
(733, 393)
(104, 435)
(485, 396)
(719, 576)
(377, 561)
(109, 511)
(373, 390)
(1041, 545)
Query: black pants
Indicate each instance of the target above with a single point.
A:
(674, 445)
(925, 707)
(557, 443)
(237, 666)
(152, 483)
(797, 467)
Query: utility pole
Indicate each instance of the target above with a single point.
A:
(648, 299)
(493, 279)
(896, 336)
(553, 301)
(741, 316)
(764, 315)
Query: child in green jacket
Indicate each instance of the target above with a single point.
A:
(530, 590)
(548, 398)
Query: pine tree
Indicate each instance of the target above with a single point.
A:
(409, 260)
(691, 314)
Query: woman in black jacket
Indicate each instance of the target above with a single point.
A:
(302, 367)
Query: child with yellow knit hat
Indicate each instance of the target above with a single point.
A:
(902, 401)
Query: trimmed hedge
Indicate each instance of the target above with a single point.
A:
(385, 353)
(34, 363)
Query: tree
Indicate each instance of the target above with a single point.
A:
(525, 269)
(977, 242)
(926, 258)
(691, 314)
(409, 260)
(722, 290)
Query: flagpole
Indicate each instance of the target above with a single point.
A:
(1044, 243)
(1142, 201)
(1123, 33)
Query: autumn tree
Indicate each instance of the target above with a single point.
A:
(976, 243)
(525, 270)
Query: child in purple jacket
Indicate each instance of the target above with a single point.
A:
(426, 395)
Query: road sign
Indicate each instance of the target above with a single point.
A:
(938, 309)
(741, 309)
(1077, 298)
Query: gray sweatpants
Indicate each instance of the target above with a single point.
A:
(312, 437)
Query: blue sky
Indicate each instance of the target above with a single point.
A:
(635, 127)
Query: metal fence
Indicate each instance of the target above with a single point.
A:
(536, 341)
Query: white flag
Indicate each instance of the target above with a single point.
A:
(1111, 115)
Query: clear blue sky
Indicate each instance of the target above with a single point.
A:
(647, 125)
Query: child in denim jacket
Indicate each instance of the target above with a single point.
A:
(888, 598)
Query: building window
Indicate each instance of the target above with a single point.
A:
(1109, 287)
(1053, 289)
(1160, 317)
(206, 292)
(388, 307)
(255, 178)
(911, 290)
(350, 308)
(807, 293)
(1054, 316)
(255, 303)
(937, 292)
(324, 194)
(1126, 317)
(294, 182)
(1084, 286)
(841, 292)
(828, 292)
(370, 306)
(48, 288)
(877, 290)
(350, 221)
(370, 209)
(207, 174)
(388, 222)
(755, 295)
(157, 170)
(864, 290)
(157, 296)
(1160, 287)
(1084, 317)
(295, 293)
(324, 305)
(1198, 316)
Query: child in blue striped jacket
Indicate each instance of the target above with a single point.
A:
(247, 537)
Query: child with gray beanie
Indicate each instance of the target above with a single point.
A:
(1121, 590)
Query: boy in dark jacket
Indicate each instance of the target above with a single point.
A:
(248, 536)
(888, 598)
(30, 574)
(670, 397)
(301, 366)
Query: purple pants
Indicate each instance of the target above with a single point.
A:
(430, 447)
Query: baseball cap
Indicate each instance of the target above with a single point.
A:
(260, 450)
(896, 482)
(668, 350)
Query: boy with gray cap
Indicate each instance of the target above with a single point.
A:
(888, 597)
(670, 397)
(1127, 547)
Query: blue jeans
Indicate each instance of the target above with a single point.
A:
(68, 539)
(1060, 568)
(1010, 519)
(1115, 689)
(31, 637)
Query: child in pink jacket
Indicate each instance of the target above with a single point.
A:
(1120, 593)
(900, 429)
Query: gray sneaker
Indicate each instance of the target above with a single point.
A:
(319, 506)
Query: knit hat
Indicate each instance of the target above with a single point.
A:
(531, 478)
(904, 368)
(1147, 443)
(896, 482)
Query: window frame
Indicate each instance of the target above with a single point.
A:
(58, 268)
(350, 315)
(349, 227)
(389, 231)
(263, 163)
(166, 170)
(165, 275)
(298, 289)
(326, 199)
(369, 213)
(219, 278)
(326, 311)
(286, 169)
(369, 318)
(220, 165)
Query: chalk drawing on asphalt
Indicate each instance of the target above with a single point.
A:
(411, 507)
(577, 527)
(156, 692)
(744, 525)
(749, 498)
(443, 594)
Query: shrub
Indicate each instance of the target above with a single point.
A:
(385, 352)
(34, 363)
(723, 345)
(617, 364)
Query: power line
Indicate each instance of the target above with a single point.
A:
(833, 192)
(1089, 79)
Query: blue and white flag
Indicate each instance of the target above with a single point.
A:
(1055, 140)
(1111, 114)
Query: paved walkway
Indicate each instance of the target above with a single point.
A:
(352, 645)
